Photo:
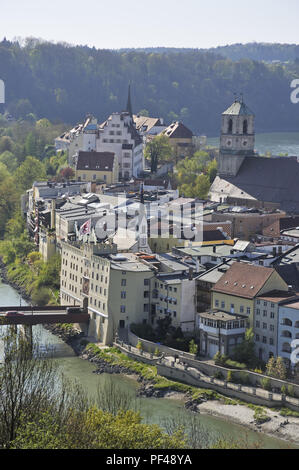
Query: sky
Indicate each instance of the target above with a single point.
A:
(114, 24)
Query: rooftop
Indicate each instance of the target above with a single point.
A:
(243, 280)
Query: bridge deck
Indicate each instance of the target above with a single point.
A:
(38, 316)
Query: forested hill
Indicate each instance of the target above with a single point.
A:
(63, 82)
(262, 52)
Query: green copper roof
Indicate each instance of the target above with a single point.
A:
(238, 108)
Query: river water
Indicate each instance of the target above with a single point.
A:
(153, 410)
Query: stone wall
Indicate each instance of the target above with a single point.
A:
(208, 368)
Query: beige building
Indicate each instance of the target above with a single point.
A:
(97, 166)
(238, 288)
(117, 287)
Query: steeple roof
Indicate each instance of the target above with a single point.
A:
(238, 108)
(129, 103)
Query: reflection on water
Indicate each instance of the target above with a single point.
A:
(153, 410)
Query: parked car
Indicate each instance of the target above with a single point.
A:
(74, 310)
(13, 313)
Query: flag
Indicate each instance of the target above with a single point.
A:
(85, 228)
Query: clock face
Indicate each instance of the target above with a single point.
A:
(245, 143)
(229, 143)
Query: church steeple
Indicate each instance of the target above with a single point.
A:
(237, 137)
(129, 103)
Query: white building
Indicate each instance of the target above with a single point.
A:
(288, 333)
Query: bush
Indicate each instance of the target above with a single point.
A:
(244, 378)
(283, 390)
(235, 364)
(230, 376)
(157, 352)
(41, 296)
(266, 384)
(193, 348)
(291, 391)
(139, 346)
(218, 375)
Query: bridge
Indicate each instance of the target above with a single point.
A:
(41, 315)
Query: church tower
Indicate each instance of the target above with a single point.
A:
(237, 138)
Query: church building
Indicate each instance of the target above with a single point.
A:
(244, 177)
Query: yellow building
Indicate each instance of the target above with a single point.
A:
(237, 289)
(97, 166)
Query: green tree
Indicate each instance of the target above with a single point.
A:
(29, 171)
(158, 150)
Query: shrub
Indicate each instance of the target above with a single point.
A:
(230, 376)
(261, 416)
(283, 390)
(139, 346)
(244, 378)
(193, 348)
(235, 365)
(41, 296)
(266, 384)
(291, 390)
(218, 375)
(157, 352)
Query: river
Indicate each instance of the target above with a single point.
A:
(153, 410)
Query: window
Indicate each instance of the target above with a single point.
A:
(216, 303)
(241, 309)
(123, 282)
(272, 315)
(123, 294)
(248, 310)
(122, 309)
(264, 313)
(258, 312)
(146, 282)
(257, 324)
(265, 326)
(222, 304)
(264, 340)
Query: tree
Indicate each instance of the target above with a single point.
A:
(245, 352)
(29, 171)
(157, 150)
(281, 370)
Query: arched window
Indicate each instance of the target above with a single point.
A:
(286, 348)
(287, 322)
(286, 334)
(230, 126)
(245, 126)
(297, 324)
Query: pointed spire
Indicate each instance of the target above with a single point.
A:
(129, 104)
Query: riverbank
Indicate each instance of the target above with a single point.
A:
(195, 400)
(278, 426)
(21, 291)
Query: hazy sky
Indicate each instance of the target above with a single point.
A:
(139, 23)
